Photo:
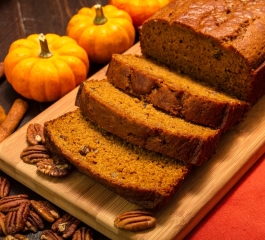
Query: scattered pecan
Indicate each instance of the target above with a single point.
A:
(34, 222)
(34, 154)
(45, 209)
(50, 235)
(55, 166)
(83, 233)
(35, 134)
(16, 220)
(66, 225)
(16, 237)
(2, 224)
(136, 220)
(4, 187)
(12, 203)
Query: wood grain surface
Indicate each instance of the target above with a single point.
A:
(95, 205)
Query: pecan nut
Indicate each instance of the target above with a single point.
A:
(2, 224)
(12, 203)
(66, 225)
(16, 237)
(4, 187)
(135, 220)
(50, 235)
(34, 222)
(45, 209)
(55, 166)
(16, 220)
(83, 233)
(35, 134)
(34, 154)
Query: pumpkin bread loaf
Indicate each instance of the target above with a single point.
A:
(175, 93)
(140, 123)
(219, 42)
(141, 176)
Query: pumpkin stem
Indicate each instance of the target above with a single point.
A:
(45, 52)
(100, 18)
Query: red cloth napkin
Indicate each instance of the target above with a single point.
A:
(240, 214)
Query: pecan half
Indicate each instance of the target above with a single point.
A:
(55, 166)
(50, 235)
(34, 222)
(66, 225)
(34, 154)
(4, 187)
(16, 220)
(83, 233)
(2, 224)
(16, 237)
(12, 203)
(35, 134)
(45, 209)
(136, 220)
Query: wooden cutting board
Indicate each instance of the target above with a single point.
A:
(95, 205)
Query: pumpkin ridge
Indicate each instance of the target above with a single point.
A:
(87, 36)
(128, 38)
(22, 44)
(74, 51)
(78, 72)
(25, 76)
(71, 83)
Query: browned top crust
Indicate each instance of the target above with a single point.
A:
(218, 42)
(235, 24)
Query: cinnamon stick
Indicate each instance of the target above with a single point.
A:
(2, 114)
(13, 118)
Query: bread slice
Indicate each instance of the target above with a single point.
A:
(141, 176)
(218, 42)
(140, 123)
(175, 93)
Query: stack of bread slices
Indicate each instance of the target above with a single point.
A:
(140, 130)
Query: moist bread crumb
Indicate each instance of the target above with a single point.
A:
(219, 42)
(140, 123)
(175, 93)
(143, 177)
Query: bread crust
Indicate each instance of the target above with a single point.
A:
(218, 42)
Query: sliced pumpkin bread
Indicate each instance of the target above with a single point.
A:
(175, 93)
(141, 176)
(140, 123)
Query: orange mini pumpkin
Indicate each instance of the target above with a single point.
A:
(102, 31)
(139, 10)
(45, 67)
